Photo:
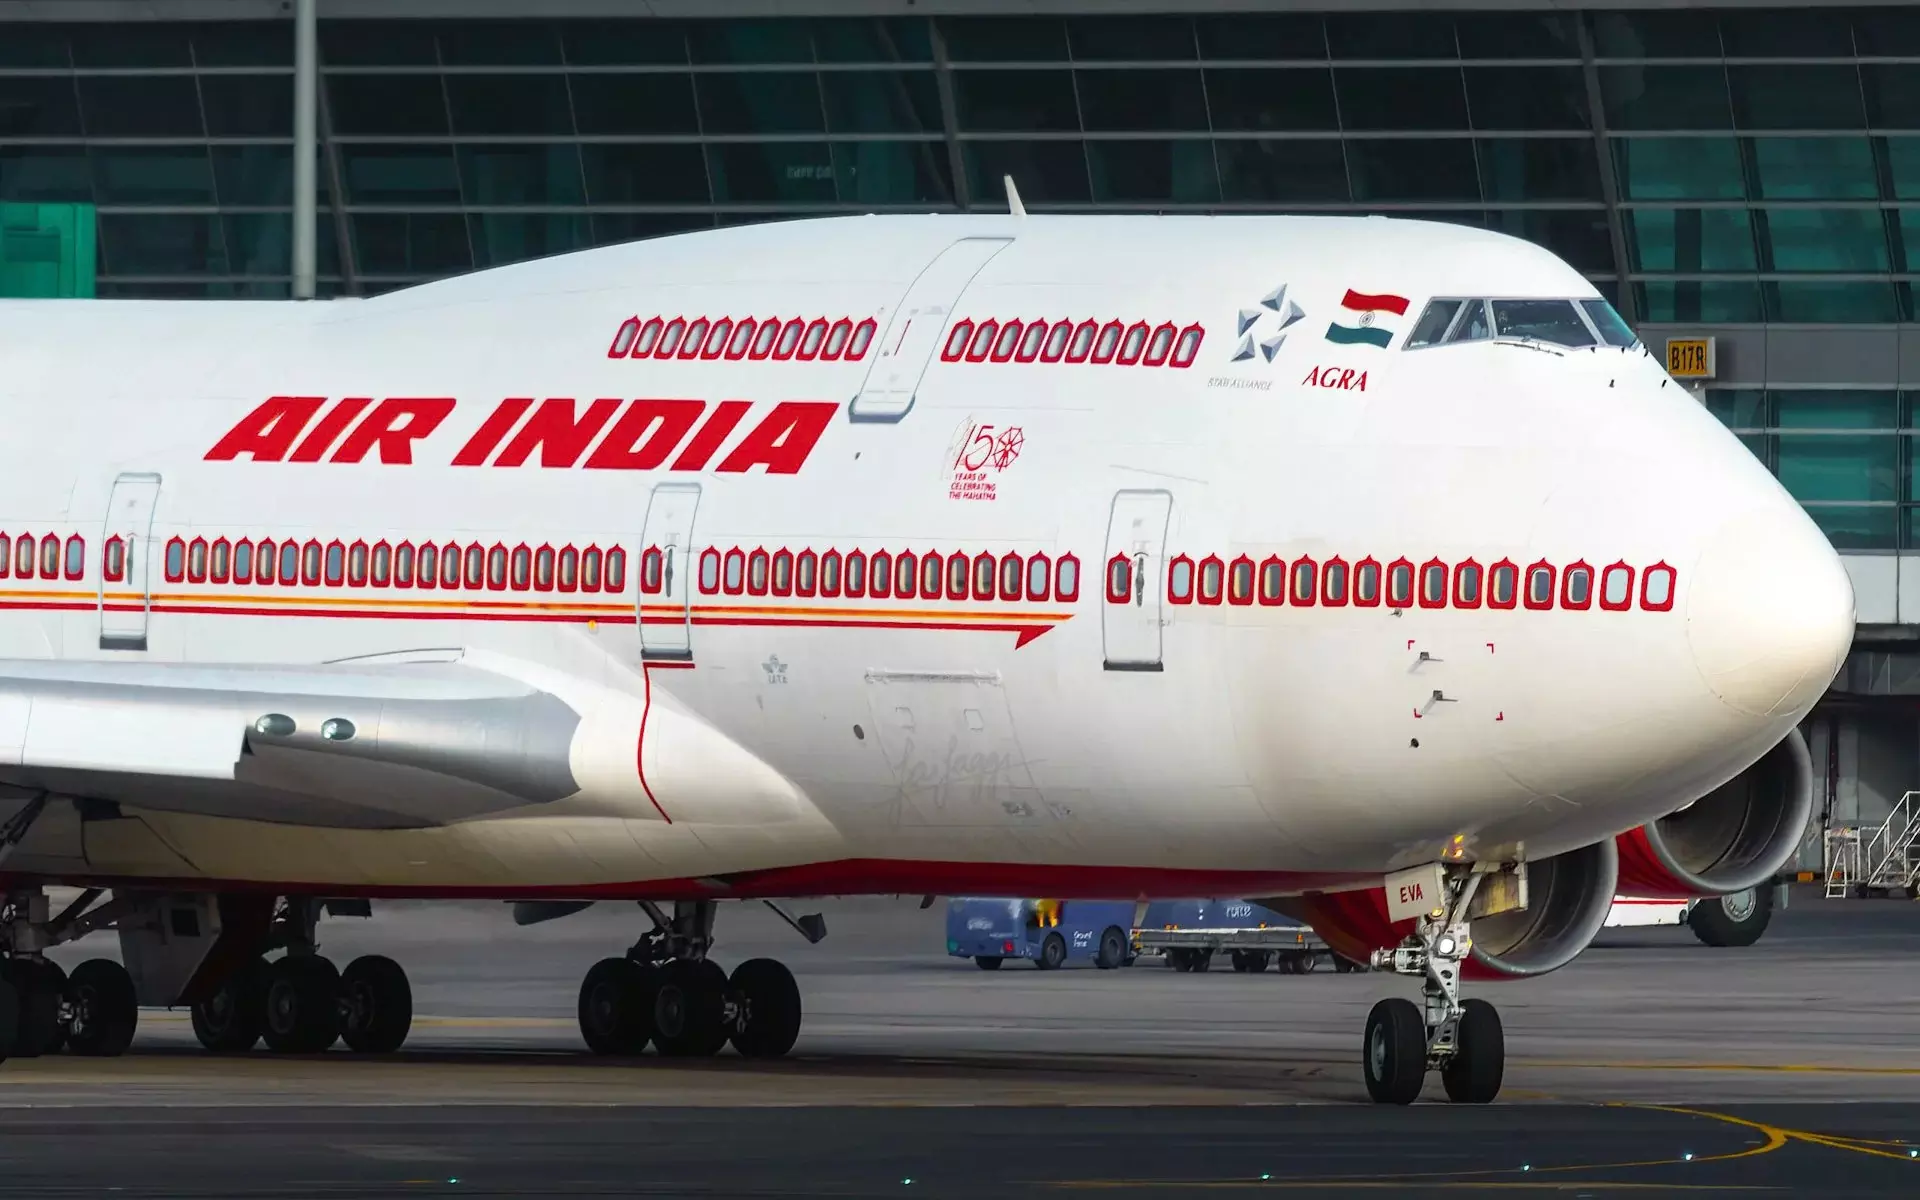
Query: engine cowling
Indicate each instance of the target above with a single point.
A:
(1735, 837)
(1568, 897)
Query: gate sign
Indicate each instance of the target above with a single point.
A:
(1690, 358)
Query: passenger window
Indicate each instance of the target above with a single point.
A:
(76, 557)
(1576, 589)
(356, 564)
(382, 564)
(1473, 325)
(756, 574)
(1433, 584)
(1273, 581)
(736, 572)
(830, 573)
(1333, 583)
(709, 570)
(1466, 585)
(983, 573)
(1066, 579)
(1400, 584)
(957, 567)
(1553, 321)
(1500, 585)
(1616, 587)
(1240, 582)
(196, 560)
(289, 563)
(1305, 572)
(1540, 586)
(1010, 577)
(1366, 583)
(783, 573)
(1039, 577)
(450, 566)
(336, 564)
(1180, 580)
(50, 557)
(856, 574)
(1212, 576)
(879, 575)
(905, 577)
(590, 569)
(402, 565)
(429, 565)
(242, 562)
(497, 568)
(1119, 579)
(806, 572)
(522, 569)
(176, 560)
(1433, 323)
(476, 573)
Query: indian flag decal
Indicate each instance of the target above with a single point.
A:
(1361, 319)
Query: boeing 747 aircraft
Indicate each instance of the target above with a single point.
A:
(1367, 567)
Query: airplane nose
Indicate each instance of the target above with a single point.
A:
(1770, 613)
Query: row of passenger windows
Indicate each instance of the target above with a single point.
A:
(1125, 345)
(1334, 583)
(49, 557)
(878, 575)
(1575, 323)
(748, 337)
(428, 565)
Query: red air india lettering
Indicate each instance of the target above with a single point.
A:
(267, 433)
(394, 426)
(645, 434)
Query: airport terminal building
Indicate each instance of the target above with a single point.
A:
(1742, 180)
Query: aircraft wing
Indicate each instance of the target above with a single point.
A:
(368, 744)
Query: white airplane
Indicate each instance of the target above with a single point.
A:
(1366, 565)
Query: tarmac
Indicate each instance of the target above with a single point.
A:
(1652, 1063)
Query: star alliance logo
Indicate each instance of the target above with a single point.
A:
(1262, 329)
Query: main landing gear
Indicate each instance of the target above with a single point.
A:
(1461, 1039)
(667, 992)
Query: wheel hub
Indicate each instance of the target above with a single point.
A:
(1740, 905)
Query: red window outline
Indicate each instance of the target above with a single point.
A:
(1493, 591)
(243, 560)
(196, 559)
(652, 571)
(1108, 343)
(1218, 583)
(906, 578)
(1673, 581)
(861, 339)
(932, 568)
(24, 556)
(592, 577)
(742, 339)
(649, 338)
(830, 573)
(75, 556)
(709, 556)
(520, 568)
(879, 575)
(113, 564)
(1159, 345)
(615, 580)
(1532, 572)
(1119, 579)
(310, 562)
(1179, 591)
(775, 584)
(858, 574)
(1084, 335)
(1388, 583)
(173, 566)
(991, 566)
(1236, 594)
(1186, 347)
(265, 555)
(759, 563)
(427, 573)
(1273, 581)
(1039, 570)
(1031, 341)
(451, 565)
(380, 564)
(806, 573)
(983, 339)
(1014, 579)
(1066, 584)
(958, 339)
(790, 335)
(1460, 599)
(765, 339)
(812, 340)
(497, 578)
(566, 569)
(1362, 570)
(1626, 601)
(624, 337)
(838, 334)
(1008, 341)
(1055, 346)
(50, 556)
(695, 339)
(1327, 597)
(1133, 343)
(718, 338)
(357, 578)
(470, 567)
(1566, 585)
(960, 572)
(1427, 569)
(670, 338)
(1305, 571)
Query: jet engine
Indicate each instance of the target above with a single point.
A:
(1567, 900)
(1735, 837)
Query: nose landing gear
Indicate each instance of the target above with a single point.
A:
(1461, 1039)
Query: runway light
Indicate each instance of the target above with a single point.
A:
(1264, 1176)
(1687, 1157)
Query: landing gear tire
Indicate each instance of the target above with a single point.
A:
(1473, 1074)
(987, 964)
(1296, 964)
(1053, 953)
(1736, 919)
(766, 1008)
(229, 1021)
(1346, 966)
(104, 1011)
(1113, 950)
(1395, 1052)
(38, 988)
(9, 1018)
(616, 1007)
(689, 1009)
(302, 1010)
(1252, 962)
(376, 1005)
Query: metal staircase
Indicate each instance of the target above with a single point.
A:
(1886, 859)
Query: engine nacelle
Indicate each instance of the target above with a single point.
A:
(1568, 897)
(1735, 837)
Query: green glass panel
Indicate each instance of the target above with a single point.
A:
(1887, 32)
(411, 243)
(602, 43)
(1679, 168)
(248, 105)
(32, 44)
(152, 175)
(261, 243)
(1132, 172)
(872, 40)
(1839, 408)
(1280, 98)
(1738, 408)
(1283, 171)
(1538, 168)
(1839, 466)
(1906, 230)
(509, 104)
(400, 174)
(1527, 98)
(1689, 240)
(1911, 448)
(1517, 35)
(140, 106)
(656, 103)
(1015, 101)
(1824, 239)
(1113, 37)
(1852, 302)
(259, 176)
(386, 105)
(521, 174)
(745, 42)
(1786, 33)
(38, 106)
(162, 244)
(511, 237)
(1047, 172)
(48, 251)
(1262, 36)
(1125, 101)
(1005, 39)
(1656, 35)
(1903, 166)
(773, 173)
(45, 174)
(881, 101)
(1665, 97)
(1405, 35)
(1850, 528)
(893, 172)
(1893, 94)
(1797, 97)
(498, 43)
(644, 174)
(1397, 98)
(1714, 301)
(1807, 168)
(129, 44)
(1432, 169)
(784, 102)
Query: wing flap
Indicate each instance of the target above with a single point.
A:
(133, 733)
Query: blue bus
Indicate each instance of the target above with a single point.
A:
(1049, 933)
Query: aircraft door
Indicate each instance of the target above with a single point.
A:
(126, 561)
(667, 580)
(914, 330)
(1131, 579)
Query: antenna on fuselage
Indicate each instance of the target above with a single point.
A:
(1013, 198)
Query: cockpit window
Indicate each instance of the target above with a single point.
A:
(1433, 323)
(1613, 330)
(1553, 321)
(1473, 325)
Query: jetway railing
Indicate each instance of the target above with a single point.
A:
(1884, 858)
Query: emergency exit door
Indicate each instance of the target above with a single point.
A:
(666, 572)
(913, 331)
(126, 561)
(1132, 579)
